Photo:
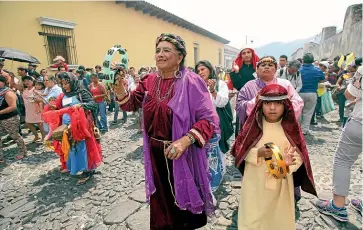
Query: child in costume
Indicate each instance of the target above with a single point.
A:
(268, 203)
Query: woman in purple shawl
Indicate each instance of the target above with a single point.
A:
(178, 120)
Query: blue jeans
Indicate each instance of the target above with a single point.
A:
(102, 125)
(115, 115)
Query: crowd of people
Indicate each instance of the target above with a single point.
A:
(186, 116)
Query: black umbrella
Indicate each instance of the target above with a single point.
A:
(17, 55)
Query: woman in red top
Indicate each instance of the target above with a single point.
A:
(98, 91)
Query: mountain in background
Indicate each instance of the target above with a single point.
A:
(278, 48)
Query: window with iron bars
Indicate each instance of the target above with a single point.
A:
(59, 42)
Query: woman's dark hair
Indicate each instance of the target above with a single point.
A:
(40, 83)
(207, 64)
(42, 70)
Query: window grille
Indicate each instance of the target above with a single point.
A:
(59, 41)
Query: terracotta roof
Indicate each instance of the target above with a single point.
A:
(154, 11)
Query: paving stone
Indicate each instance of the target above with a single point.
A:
(121, 212)
(56, 225)
(99, 227)
(60, 204)
(140, 220)
(138, 196)
(223, 221)
(7, 210)
(223, 205)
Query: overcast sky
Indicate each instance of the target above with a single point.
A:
(263, 21)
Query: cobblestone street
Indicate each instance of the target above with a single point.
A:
(35, 195)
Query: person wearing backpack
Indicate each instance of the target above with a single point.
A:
(292, 74)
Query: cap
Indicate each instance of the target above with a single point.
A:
(324, 63)
(23, 68)
(59, 58)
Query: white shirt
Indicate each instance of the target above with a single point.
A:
(294, 79)
(355, 89)
(221, 99)
(130, 80)
(52, 92)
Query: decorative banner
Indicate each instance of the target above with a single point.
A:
(107, 72)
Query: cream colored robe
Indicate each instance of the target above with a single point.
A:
(267, 203)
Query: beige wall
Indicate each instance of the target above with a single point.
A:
(100, 25)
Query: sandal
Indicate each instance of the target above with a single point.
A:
(63, 171)
(82, 181)
(20, 157)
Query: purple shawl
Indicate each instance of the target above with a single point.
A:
(190, 103)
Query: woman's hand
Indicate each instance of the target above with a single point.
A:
(77, 106)
(264, 152)
(211, 85)
(177, 148)
(289, 156)
(235, 67)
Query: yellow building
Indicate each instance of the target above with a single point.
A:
(82, 32)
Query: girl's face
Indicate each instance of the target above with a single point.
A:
(273, 110)
(38, 87)
(28, 83)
